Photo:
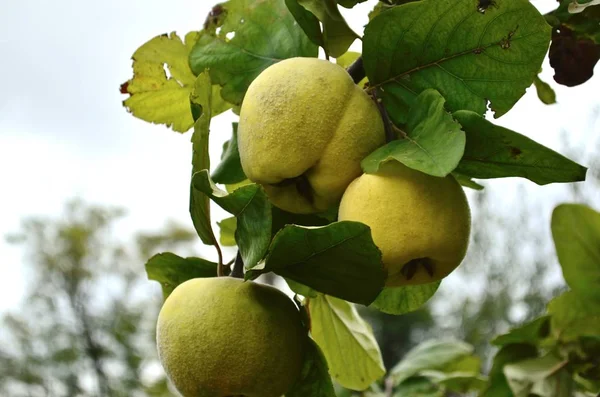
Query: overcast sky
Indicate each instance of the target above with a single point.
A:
(65, 134)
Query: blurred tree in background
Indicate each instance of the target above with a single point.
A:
(86, 326)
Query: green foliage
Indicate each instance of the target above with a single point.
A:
(466, 181)
(336, 36)
(347, 342)
(430, 355)
(418, 387)
(171, 270)
(496, 152)
(573, 317)
(307, 21)
(543, 376)
(576, 232)
(315, 380)
(531, 333)
(339, 259)
(433, 142)
(265, 32)
(402, 300)
(349, 3)
(458, 382)
(253, 212)
(544, 91)
(229, 170)
(228, 227)
(282, 218)
(498, 384)
(200, 102)
(451, 46)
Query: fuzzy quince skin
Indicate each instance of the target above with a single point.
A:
(421, 223)
(304, 129)
(221, 337)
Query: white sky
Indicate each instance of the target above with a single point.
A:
(64, 133)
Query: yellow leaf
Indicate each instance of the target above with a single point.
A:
(161, 97)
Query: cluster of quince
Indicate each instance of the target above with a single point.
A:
(304, 128)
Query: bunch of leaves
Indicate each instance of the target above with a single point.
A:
(434, 66)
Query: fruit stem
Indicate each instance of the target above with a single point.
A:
(220, 272)
(387, 123)
(238, 267)
(357, 70)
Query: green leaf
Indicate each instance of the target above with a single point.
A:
(200, 102)
(171, 270)
(497, 384)
(466, 365)
(252, 209)
(434, 143)
(573, 317)
(228, 227)
(282, 218)
(337, 36)
(307, 21)
(496, 152)
(400, 300)
(583, 360)
(592, 387)
(347, 341)
(531, 333)
(559, 384)
(398, 101)
(576, 233)
(339, 259)
(230, 170)
(301, 289)
(544, 91)
(265, 33)
(315, 380)
(218, 105)
(432, 354)
(418, 386)
(349, 3)
(458, 382)
(451, 46)
(533, 375)
(466, 181)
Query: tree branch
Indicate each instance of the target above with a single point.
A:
(238, 267)
(357, 70)
(387, 123)
(91, 347)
